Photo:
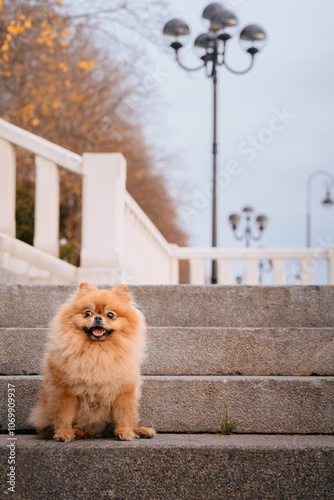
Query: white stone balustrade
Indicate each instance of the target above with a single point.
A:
(119, 242)
(252, 257)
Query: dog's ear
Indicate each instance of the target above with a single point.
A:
(122, 291)
(86, 287)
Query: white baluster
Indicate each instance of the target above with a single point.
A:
(46, 235)
(306, 271)
(224, 272)
(174, 272)
(7, 188)
(279, 272)
(197, 272)
(331, 265)
(252, 272)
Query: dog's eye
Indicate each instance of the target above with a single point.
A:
(111, 315)
(87, 314)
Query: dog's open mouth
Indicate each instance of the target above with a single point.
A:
(97, 332)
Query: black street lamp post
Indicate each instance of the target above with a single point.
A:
(212, 47)
(327, 202)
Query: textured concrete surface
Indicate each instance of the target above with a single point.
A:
(178, 467)
(240, 351)
(22, 350)
(199, 351)
(288, 405)
(184, 305)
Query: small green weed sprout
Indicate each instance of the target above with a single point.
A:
(227, 427)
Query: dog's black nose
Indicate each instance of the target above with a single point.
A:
(98, 319)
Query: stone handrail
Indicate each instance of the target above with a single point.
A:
(40, 147)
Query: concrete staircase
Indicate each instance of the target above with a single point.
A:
(264, 353)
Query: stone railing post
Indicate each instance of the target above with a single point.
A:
(7, 187)
(174, 272)
(103, 212)
(330, 265)
(46, 234)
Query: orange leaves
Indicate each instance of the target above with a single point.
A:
(56, 104)
(139, 174)
(28, 109)
(86, 65)
(18, 27)
(5, 45)
(47, 37)
(65, 32)
(52, 33)
(14, 28)
(28, 115)
(63, 66)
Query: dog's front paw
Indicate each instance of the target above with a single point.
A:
(63, 435)
(144, 432)
(125, 434)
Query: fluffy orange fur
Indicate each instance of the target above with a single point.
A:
(92, 368)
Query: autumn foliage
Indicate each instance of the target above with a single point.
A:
(57, 82)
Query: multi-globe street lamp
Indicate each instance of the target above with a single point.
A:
(327, 201)
(251, 230)
(249, 222)
(211, 48)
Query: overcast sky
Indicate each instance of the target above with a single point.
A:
(293, 77)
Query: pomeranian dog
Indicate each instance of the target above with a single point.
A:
(92, 368)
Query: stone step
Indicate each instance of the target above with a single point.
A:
(184, 305)
(199, 351)
(187, 467)
(282, 405)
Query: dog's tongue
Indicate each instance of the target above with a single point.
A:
(98, 332)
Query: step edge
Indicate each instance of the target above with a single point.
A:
(197, 328)
(179, 440)
(221, 378)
